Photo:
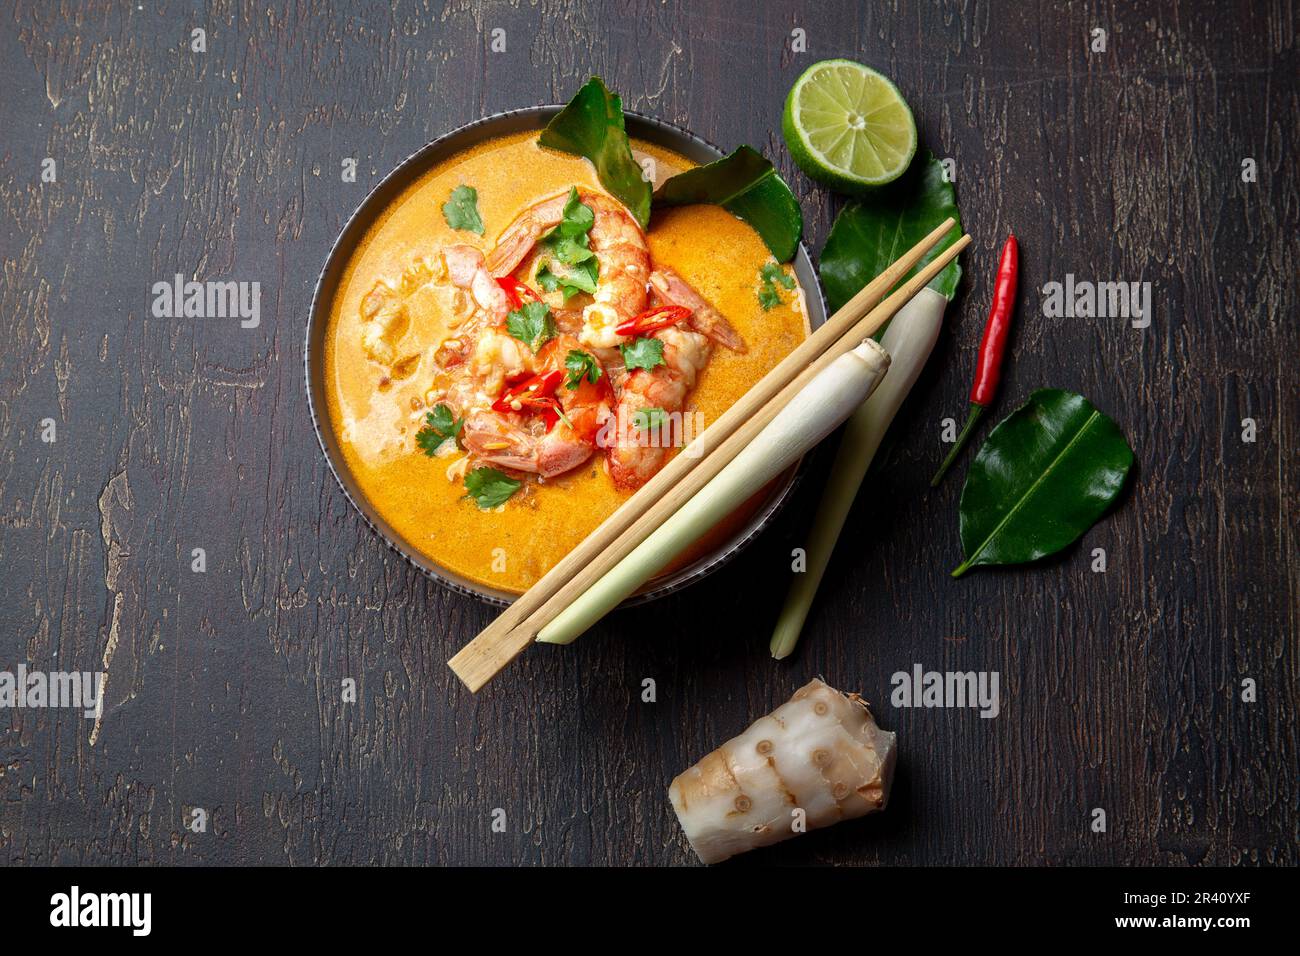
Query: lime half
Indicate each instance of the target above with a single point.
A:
(848, 127)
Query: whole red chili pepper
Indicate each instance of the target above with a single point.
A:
(993, 347)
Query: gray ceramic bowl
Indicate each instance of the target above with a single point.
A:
(499, 124)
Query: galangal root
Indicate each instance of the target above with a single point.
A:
(814, 761)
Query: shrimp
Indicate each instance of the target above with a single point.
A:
(587, 405)
(511, 440)
(499, 357)
(467, 270)
(632, 453)
(475, 341)
(674, 290)
(620, 249)
(480, 368)
(637, 451)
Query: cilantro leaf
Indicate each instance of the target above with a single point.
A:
(578, 217)
(649, 418)
(461, 210)
(771, 272)
(572, 266)
(642, 353)
(532, 324)
(569, 280)
(769, 277)
(570, 251)
(440, 426)
(581, 365)
(490, 488)
(547, 279)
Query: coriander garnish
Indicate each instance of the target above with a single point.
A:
(648, 419)
(581, 365)
(490, 488)
(770, 276)
(572, 266)
(461, 210)
(440, 426)
(642, 353)
(531, 324)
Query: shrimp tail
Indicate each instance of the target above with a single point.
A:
(705, 319)
(560, 451)
(510, 250)
(495, 441)
(517, 241)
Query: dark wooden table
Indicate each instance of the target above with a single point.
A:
(1121, 691)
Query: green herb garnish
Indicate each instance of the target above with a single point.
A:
(771, 272)
(581, 365)
(440, 426)
(490, 488)
(461, 210)
(568, 280)
(532, 324)
(649, 418)
(572, 266)
(642, 353)
(577, 220)
(770, 276)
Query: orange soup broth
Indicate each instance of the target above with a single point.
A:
(375, 420)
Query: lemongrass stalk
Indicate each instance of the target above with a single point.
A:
(909, 340)
(812, 414)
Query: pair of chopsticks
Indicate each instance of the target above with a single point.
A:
(685, 474)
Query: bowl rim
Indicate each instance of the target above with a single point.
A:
(392, 185)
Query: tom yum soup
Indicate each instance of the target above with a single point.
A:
(510, 355)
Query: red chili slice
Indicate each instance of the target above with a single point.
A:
(517, 292)
(653, 320)
(533, 394)
(550, 413)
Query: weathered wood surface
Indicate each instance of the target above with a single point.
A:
(1121, 690)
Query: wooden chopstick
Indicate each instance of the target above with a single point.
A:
(502, 640)
(707, 469)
